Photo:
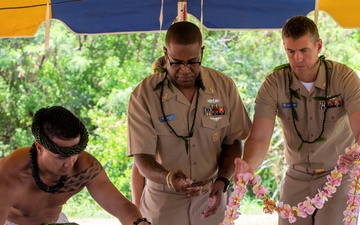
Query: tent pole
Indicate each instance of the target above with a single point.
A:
(182, 11)
(316, 14)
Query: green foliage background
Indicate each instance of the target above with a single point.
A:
(93, 76)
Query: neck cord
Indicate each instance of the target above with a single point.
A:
(293, 111)
(35, 174)
(191, 132)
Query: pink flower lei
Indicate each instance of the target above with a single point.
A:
(307, 207)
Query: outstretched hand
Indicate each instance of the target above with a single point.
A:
(214, 199)
(241, 167)
(352, 154)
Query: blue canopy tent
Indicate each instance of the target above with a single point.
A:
(23, 17)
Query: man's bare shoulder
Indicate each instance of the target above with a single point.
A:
(15, 174)
(86, 168)
(17, 161)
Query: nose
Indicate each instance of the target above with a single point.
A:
(298, 57)
(70, 161)
(185, 67)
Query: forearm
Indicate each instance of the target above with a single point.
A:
(227, 158)
(137, 185)
(130, 214)
(257, 145)
(255, 152)
(151, 169)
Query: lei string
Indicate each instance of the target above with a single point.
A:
(309, 205)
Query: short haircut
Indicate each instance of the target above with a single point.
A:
(183, 33)
(299, 26)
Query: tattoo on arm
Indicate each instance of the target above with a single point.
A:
(78, 181)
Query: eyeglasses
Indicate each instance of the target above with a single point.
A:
(179, 64)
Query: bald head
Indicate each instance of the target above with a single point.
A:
(183, 33)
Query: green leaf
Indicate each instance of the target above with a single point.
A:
(159, 85)
(322, 58)
(333, 96)
(295, 94)
(321, 139)
(201, 84)
(300, 146)
(161, 69)
(186, 144)
(170, 86)
(320, 98)
(281, 66)
(295, 115)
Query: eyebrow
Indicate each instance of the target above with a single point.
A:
(177, 60)
(289, 49)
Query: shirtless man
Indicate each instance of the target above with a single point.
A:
(36, 181)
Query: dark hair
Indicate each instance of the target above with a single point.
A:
(299, 26)
(59, 122)
(183, 33)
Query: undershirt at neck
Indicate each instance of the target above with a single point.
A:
(308, 85)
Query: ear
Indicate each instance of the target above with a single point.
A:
(319, 45)
(39, 148)
(165, 51)
(202, 51)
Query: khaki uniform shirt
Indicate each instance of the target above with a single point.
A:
(274, 100)
(221, 118)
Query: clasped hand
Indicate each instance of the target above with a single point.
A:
(182, 184)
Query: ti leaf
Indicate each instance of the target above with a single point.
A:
(159, 85)
(281, 66)
(300, 146)
(161, 69)
(170, 86)
(295, 94)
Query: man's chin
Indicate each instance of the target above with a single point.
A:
(187, 82)
(63, 173)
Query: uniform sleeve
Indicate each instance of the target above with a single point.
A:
(141, 132)
(349, 87)
(267, 98)
(240, 123)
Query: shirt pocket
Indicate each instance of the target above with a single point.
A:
(215, 123)
(161, 128)
(335, 113)
(285, 112)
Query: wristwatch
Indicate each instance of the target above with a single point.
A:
(226, 182)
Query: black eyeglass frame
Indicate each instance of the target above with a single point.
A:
(177, 64)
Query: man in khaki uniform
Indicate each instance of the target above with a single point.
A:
(185, 127)
(318, 103)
